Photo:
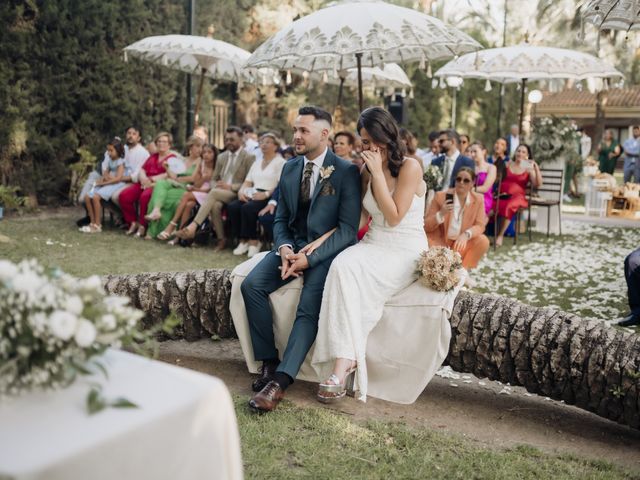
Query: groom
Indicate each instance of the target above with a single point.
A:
(318, 192)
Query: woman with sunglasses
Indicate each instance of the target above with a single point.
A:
(456, 219)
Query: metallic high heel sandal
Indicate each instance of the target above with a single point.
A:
(332, 392)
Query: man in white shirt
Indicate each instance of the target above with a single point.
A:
(427, 156)
(251, 144)
(134, 157)
(513, 141)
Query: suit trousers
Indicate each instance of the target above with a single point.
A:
(243, 217)
(632, 275)
(216, 199)
(476, 248)
(265, 279)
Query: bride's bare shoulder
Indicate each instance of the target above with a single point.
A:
(410, 166)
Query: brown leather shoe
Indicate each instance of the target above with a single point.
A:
(268, 398)
(266, 375)
(220, 245)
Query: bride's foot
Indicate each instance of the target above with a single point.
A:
(339, 383)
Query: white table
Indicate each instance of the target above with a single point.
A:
(185, 428)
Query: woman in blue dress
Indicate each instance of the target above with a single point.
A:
(106, 186)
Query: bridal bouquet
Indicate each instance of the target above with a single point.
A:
(52, 325)
(439, 268)
(432, 177)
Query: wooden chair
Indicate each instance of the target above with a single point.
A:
(552, 183)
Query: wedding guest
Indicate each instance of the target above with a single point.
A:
(288, 153)
(153, 169)
(343, 145)
(485, 174)
(632, 275)
(456, 219)
(631, 148)
(195, 194)
(250, 139)
(267, 215)
(168, 192)
(410, 143)
(104, 187)
(254, 195)
(513, 140)
(451, 160)
(134, 157)
(608, 153)
(518, 174)
(202, 133)
(499, 158)
(465, 142)
(229, 174)
(433, 151)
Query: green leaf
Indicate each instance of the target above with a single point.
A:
(102, 368)
(81, 369)
(95, 402)
(122, 402)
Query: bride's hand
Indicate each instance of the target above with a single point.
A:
(373, 160)
(309, 248)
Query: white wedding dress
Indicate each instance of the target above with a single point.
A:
(361, 279)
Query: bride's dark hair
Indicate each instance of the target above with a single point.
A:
(383, 129)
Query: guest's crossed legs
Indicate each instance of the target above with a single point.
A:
(262, 281)
(216, 199)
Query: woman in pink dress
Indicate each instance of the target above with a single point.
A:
(485, 174)
(153, 169)
(513, 189)
(196, 193)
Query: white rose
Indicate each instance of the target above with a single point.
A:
(27, 282)
(93, 283)
(8, 270)
(74, 305)
(109, 321)
(85, 333)
(63, 324)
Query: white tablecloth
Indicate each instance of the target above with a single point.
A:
(185, 428)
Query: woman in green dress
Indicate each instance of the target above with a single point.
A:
(608, 153)
(167, 193)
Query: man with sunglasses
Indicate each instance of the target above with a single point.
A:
(451, 159)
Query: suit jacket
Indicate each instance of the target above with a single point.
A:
(473, 217)
(461, 161)
(242, 166)
(335, 203)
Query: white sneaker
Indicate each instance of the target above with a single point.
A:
(241, 249)
(254, 249)
(567, 198)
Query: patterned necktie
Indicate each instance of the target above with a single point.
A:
(305, 189)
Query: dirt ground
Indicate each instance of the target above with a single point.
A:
(468, 406)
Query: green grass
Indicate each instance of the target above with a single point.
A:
(294, 442)
(56, 242)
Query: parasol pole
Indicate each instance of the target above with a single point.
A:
(199, 98)
(359, 60)
(342, 79)
(524, 86)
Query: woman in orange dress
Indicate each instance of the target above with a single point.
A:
(513, 188)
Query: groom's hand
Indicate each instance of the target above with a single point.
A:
(285, 252)
(298, 263)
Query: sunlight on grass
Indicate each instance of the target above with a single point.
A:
(295, 442)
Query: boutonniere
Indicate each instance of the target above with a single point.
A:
(325, 172)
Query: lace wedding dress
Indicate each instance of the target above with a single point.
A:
(361, 279)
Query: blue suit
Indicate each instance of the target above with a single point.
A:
(267, 220)
(461, 161)
(335, 203)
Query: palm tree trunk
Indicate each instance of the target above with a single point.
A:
(550, 353)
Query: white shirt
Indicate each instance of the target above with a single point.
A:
(268, 178)
(447, 166)
(514, 142)
(253, 147)
(455, 224)
(585, 146)
(230, 169)
(317, 162)
(427, 156)
(134, 158)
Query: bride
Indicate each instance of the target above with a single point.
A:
(363, 277)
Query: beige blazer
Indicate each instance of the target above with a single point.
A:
(241, 168)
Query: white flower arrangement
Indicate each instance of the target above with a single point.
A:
(555, 137)
(432, 177)
(52, 325)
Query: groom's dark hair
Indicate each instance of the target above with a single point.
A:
(317, 113)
